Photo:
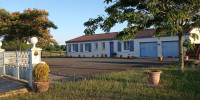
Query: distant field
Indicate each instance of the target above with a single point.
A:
(53, 53)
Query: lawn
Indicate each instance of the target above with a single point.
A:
(127, 85)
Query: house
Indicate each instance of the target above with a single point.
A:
(144, 45)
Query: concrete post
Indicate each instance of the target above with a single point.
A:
(4, 69)
(35, 58)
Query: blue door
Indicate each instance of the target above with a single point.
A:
(170, 48)
(148, 49)
(111, 49)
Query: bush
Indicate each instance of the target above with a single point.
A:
(41, 71)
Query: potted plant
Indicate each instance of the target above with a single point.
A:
(92, 56)
(101, 55)
(114, 54)
(160, 58)
(153, 76)
(120, 56)
(40, 73)
(105, 55)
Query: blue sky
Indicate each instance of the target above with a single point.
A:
(68, 15)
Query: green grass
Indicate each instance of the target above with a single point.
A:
(53, 53)
(127, 85)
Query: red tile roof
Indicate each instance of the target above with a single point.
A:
(111, 36)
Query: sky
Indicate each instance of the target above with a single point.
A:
(68, 15)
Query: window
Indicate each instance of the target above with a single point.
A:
(86, 47)
(96, 46)
(103, 46)
(73, 47)
(127, 45)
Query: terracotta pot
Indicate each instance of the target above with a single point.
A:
(160, 58)
(128, 57)
(153, 77)
(120, 56)
(105, 55)
(41, 86)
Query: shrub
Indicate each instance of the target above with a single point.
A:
(41, 71)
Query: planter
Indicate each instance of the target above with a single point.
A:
(153, 77)
(120, 56)
(160, 58)
(41, 86)
(105, 55)
(115, 56)
(70, 56)
(79, 56)
(128, 57)
(101, 55)
(186, 57)
(132, 56)
(92, 56)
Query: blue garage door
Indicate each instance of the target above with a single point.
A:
(170, 48)
(148, 49)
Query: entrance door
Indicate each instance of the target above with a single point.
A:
(111, 49)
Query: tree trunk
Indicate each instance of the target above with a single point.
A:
(181, 61)
(20, 45)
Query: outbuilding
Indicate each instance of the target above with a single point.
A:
(144, 45)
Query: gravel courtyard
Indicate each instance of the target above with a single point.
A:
(93, 66)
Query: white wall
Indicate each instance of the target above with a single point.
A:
(136, 52)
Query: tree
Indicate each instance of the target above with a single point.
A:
(22, 26)
(168, 17)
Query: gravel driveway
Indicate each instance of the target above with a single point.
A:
(93, 66)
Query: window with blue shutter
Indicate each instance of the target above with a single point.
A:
(69, 48)
(76, 47)
(131, 45)
(89, 47)
(81, 47)
(119, 47)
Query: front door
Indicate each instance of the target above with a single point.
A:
(111, 49)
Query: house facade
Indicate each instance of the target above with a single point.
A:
(144, 45)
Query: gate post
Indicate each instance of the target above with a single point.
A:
(3, 51)
(17, 63)
(34, 58)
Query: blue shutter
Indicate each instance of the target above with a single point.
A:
(131, 45)
(81, 47)
(76, 48)
(69, 48)
(90, 48)
(119, 47)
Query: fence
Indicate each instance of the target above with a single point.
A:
(17, 64)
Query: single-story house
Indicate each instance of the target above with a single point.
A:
(144, 45)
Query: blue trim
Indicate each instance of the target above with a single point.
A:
(81, 47)
(131, 45)
(69, 48)
(89, 47)
(119, 47)
(111, 49)
(76, 47)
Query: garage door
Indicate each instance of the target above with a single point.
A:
(148, 49)
(170, 48)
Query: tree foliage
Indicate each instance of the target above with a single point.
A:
(170, 17)
(22, 26)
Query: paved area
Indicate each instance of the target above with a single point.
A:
(69, 67)
(8, 84)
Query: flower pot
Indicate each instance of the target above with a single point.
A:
(79, 56)
(120, 56)
(42, 86)
(105, 55)
(186, 57)
(128, 57)
(114, 56)
(160, 58)
(92, 56)
(153, 77)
